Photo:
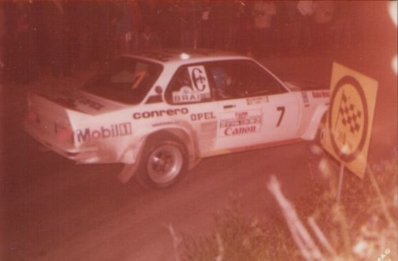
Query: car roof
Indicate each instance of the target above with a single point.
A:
(183, 56)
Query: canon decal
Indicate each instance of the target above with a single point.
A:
(240, 130)
(160, 113)
(114, 130)
(240, 123)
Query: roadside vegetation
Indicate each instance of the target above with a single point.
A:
(362, 226)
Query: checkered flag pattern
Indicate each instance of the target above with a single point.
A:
(350, 116)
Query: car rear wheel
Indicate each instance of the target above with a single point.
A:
(163, 162)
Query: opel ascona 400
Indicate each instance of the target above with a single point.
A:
(160, 112)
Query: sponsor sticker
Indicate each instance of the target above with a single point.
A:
(186, 94)
(305, 99)
(138, 77)
(73, 103)
(199, 89)
(240, 123)
(160, 113)
(103, 132)
(257, 100)
(199, 78)
(320, 94)
(202, 116)
(207, 135)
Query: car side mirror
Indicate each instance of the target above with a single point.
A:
(156, 98)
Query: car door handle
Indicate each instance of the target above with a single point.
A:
(229, 106)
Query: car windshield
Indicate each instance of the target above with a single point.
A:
(124, 80)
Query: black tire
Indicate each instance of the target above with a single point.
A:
(315, 146)
(320, 135)
(163, 162)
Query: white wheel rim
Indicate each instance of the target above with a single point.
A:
(164, 164)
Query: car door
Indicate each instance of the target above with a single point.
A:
(252, 106)
(189, 87)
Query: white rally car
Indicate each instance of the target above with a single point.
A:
(160, 112)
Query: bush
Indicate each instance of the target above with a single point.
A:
(237, 237)
(360, 227)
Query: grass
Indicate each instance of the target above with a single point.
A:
(238, 237)
(362, 226)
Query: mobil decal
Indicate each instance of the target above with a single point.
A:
(103, 132)
(160, 113)
(321, 94)
(240, 123)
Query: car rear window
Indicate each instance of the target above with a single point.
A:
(124, 79)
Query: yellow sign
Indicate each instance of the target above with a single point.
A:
(350, 118)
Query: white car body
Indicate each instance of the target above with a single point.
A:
(89, 128)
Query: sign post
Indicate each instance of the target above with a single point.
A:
(350, 118)
(341, 176)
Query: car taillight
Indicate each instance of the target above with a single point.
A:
(64, 135)
(32, 117)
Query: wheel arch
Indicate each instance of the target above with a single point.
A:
(313, 126)
(187, 139)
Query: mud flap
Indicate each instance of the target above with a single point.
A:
(127, 172)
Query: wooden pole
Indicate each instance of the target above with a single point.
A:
(341, 176)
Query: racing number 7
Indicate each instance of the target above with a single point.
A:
(281, 109)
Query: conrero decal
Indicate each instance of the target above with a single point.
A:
(114, 130)
(160, 113)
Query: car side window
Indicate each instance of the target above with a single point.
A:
(189, 85)
(224, 79)
(238, 79)
(258, 81)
